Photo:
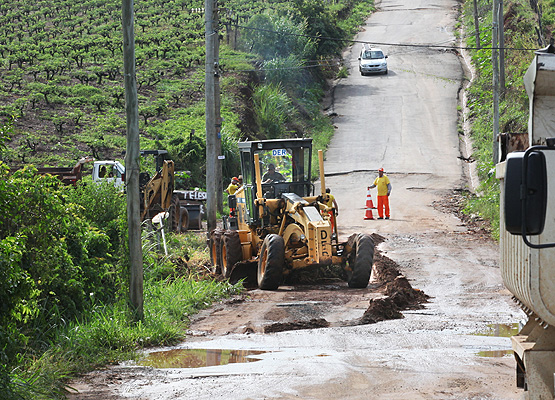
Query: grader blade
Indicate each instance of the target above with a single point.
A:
(246, 270)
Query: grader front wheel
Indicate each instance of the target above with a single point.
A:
(271, 262)
(214, 245)
(230, 251)
(363, 260)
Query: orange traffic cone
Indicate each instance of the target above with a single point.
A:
(369, 206)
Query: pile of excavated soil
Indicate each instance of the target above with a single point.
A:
(400, 293)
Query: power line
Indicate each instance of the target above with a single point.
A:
(382, 43)
(285, 68)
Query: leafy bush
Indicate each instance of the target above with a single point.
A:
(58, 253)
(286, 71)
(274, 36)
(320, 21)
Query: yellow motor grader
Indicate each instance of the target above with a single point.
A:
(277, 224)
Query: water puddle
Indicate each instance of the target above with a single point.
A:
(494, 353)
(197, 358)
(500, 330)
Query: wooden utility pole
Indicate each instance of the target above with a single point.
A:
(210, 117)
(132, 162)
(477, 25)
(501, 28)
(217, 102)
(495, 65)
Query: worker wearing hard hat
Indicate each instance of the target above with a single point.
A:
(384, 190)
(233, 186)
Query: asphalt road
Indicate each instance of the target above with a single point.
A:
(405, 122)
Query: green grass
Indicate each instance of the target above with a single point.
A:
(107, 334)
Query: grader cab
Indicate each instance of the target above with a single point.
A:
(277, 224)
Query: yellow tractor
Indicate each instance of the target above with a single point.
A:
(158, 195)
(277, 224)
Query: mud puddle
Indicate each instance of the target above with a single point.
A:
(197, 358)
(500, 330)
(495, 353)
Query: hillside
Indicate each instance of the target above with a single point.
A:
(61, 73)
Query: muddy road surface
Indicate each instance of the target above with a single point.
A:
(312, 340)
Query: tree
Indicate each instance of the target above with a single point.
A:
(319, 22)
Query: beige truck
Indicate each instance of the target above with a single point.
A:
(527, 231)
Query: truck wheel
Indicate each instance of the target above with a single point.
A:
(174, 214)
(363, 260)
(270, 262)
(231, 252)
(183, 225)
(214, 245)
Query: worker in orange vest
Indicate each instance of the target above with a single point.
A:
(384, 190)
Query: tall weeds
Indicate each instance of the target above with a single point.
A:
(273, 109)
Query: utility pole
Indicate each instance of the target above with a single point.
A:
(501, 28)
(495, 65)
(132, 162)
(210, 117)
(217, 103)
(477, 25)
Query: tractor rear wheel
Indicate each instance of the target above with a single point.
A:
(231, 251)
(363, 260)
(271, 262)
(174, 211)
(183, 221)
(214, 244)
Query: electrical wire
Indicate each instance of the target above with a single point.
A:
(415, 45)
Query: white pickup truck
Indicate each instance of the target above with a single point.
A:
(110, 171)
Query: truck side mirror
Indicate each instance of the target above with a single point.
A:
(525, 192)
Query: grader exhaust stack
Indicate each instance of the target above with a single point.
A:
(322, 175)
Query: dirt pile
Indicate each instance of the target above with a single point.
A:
(455, 204)
(400, 293)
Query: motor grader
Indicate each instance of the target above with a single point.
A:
(278, 225)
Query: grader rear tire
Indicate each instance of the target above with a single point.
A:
(271, 262)
(363, 260)
(230, 251)
(214, 245)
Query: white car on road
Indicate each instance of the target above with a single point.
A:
(372, 60)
